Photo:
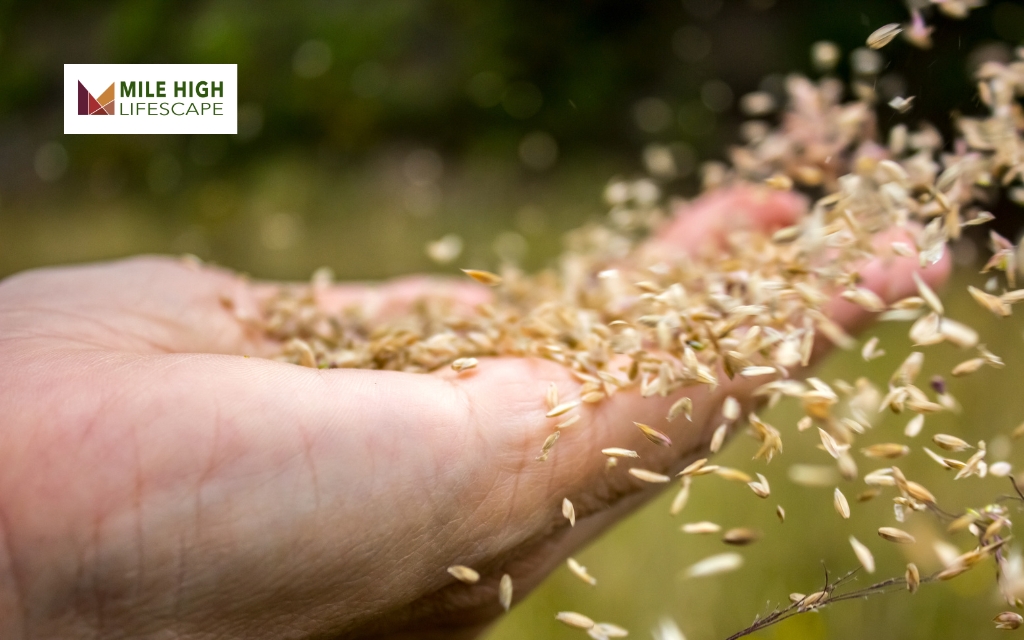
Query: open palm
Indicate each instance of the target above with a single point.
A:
(157, 482)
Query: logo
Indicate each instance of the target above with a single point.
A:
(151, 98)
(89, 105)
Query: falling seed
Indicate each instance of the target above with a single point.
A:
(681, 406)
(913, 578)
(1008, 620)
(700, 527)
(741, 536)
(648, 476)
(461, 364)
(883, 35)
(694, 467)
(928, 294)
(580, 572)
(870, 351)
(968, 366)
(840, 503)
(616, 452)
(569, 511)
(731, 409)
(681, 498)
(914, 426)
(464, 574)
(865, 298)
(918, 492)
(654, 435)
(993, 303)
(718, 438)
(833, 448)
(780, 513)
(902, 104)
(892, 534)
(780, 181)
(604, 630)
(1000, 469)
(733, 474)
(863, 555)
(573, 619)
(886, 450)
(754, 372)
(950, 443)
(869, 494)
(714, 565)
(505, 592)
(565, 407)
(483, 277)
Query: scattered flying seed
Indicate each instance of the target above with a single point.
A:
(883, 35)
(968, 366)
(863, 555)
(902, 104)
(483, 277)
(681, 406)
(731, 409)
(841, 504)
(580, 572)
(616, 452)
(892, 534)
(741, 536)
(681, 497)
(1000, 469)
(694, 467)
(605, 630)
(887, 450)
(754, 372)
(654, 435)
(573, 619)
(913, 578)
(780, 513)
(461, 364)
(833, 448)
(780, 181)
(870, 351)
(995, 304)
(914, 426)
(950, 443)
(648, 476)
(505, 592)
(718, 438)
(869, 494)
(733, 474)
(700, 527)
(1008, 620)
(569, 511)
(464, 574)
(928, 294)
(714, 565)
(565, 407)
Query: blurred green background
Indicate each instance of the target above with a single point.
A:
(368, 128)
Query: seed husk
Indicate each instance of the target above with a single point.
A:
(1008, 620)
(681, 497)
(549, 444)
(694, 467)
(841, 504)
(886, 450)
(568, 422)
(616, 452)
(718, 438)
(741, 536)
(950, 443)
(713, 565)
(968, 366)
(780, 513)
(735, 475)
(700, 527)
(830, 444)
(913, 578)
(563, 408)
(505, 592)
(648, 476)
(483, 277)
(573, 619)
(681, 406)
(883, 35)
(580, 572)
(995, 304)
(863, 555)
(899, 536)
(569, 511)
(914, 426)
(928, 295)
(551, 397)
(654, 435)
(603, 630)
(463, 364)
(464, 574)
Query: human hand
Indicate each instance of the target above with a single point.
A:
(155, 482)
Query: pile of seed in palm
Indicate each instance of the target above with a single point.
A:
(753, 307)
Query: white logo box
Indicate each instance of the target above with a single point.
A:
(151, 98)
